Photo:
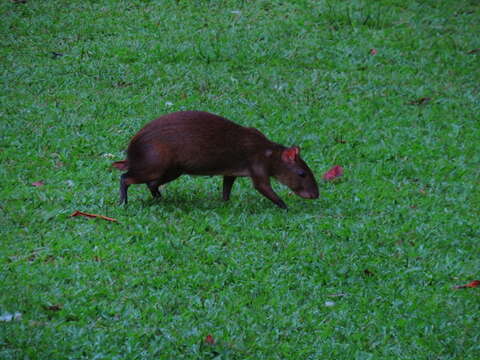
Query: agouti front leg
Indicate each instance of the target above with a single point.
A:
(227, 186)
(262, 185)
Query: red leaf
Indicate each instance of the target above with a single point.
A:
(373, 52)
(81, 213)
(38, 183)
(473, 284)
(333, 173)
(210, 340)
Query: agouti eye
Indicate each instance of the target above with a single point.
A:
(301, 173)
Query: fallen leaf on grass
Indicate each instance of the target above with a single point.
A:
(72, 318)
(473, 284)
(337, 295)
(121, 84)
(474, 51)
(466, 12)
(210, 340)
(333, 173)
(373, 52)
(38, 183)
(81, 213)
(56, 307)
(421, 101)
(368, 272)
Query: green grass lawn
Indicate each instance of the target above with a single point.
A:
(364, 272)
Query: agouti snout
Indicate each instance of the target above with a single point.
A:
(200, 143)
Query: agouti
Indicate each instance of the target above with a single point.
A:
(200, 143)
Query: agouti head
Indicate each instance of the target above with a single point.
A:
(293, 172)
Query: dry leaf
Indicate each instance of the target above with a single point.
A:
(56, 307)
(72, 318)
(421, 101)
(337, 295)
(473, 284)
(38, 183)
(368, 272)
(209, 340)
(373, 52)
(122, 83)
(333, 173)
(81, 213)
(474, 51)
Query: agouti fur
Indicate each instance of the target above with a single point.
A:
(200, 143)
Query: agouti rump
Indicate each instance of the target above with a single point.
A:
(200, 143)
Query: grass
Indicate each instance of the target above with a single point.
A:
(365, 272)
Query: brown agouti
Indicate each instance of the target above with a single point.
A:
(200, 143)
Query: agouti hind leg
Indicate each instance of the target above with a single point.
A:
(125, 181)
(124, 184)
(153, 187)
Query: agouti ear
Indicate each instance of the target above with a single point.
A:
(290, 154)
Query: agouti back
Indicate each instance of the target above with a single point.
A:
(200, 143)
